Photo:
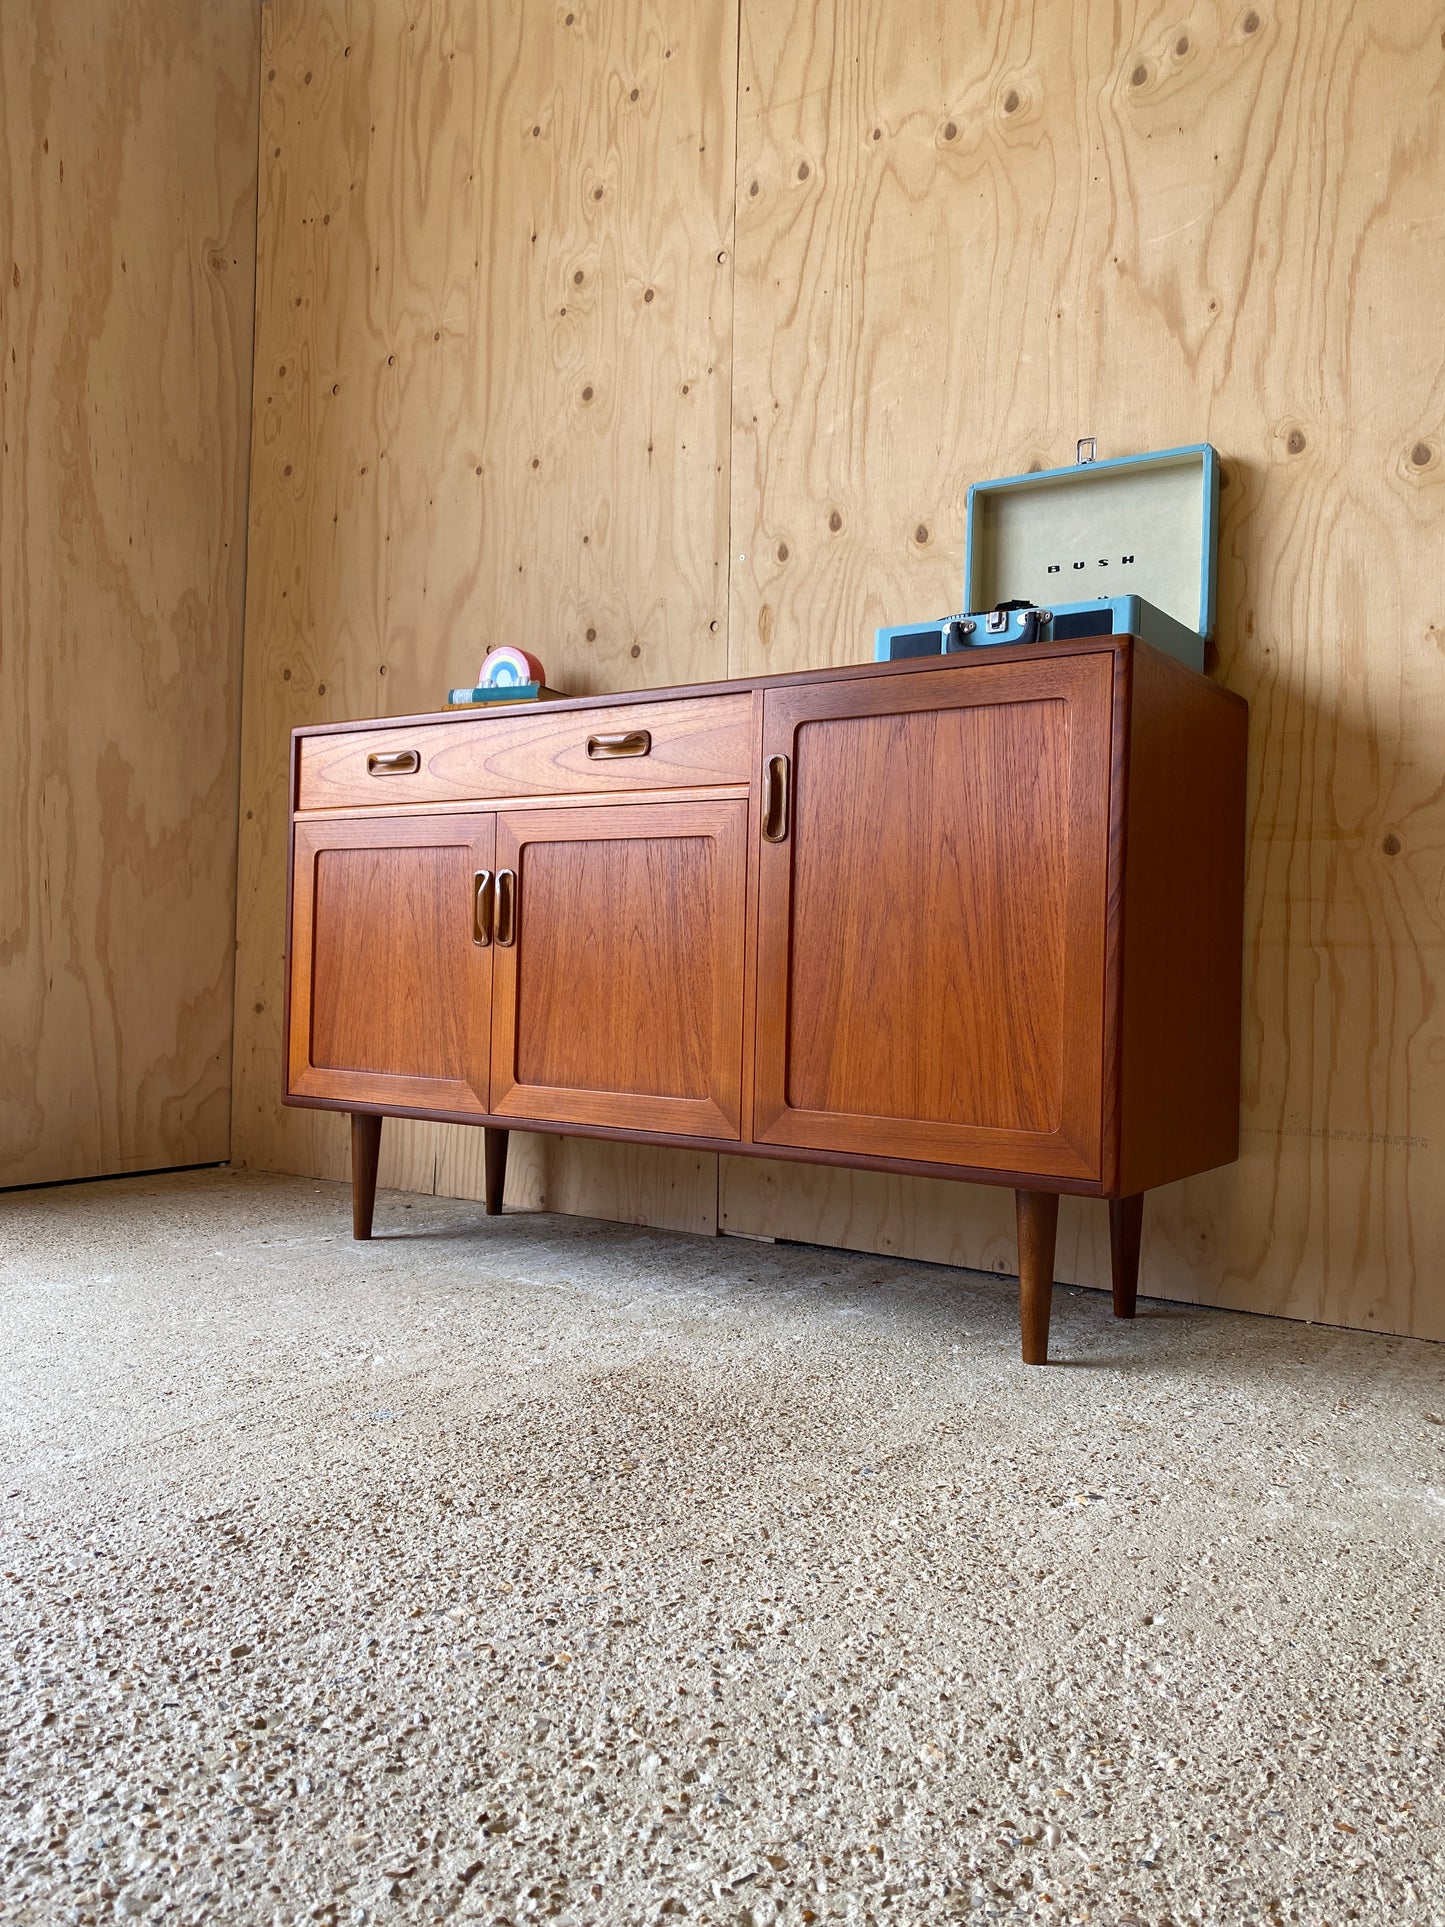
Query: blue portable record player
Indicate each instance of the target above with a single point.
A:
(1099, 549)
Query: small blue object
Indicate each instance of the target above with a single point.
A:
(1102, 548)
(496, 692)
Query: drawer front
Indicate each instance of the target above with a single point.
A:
(541, 752)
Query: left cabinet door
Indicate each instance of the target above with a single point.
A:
(391, 961)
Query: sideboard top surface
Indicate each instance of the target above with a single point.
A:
(1118, 646)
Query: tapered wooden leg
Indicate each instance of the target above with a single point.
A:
(1038, 1221)
(494, 1159)
(1126, 1226)
(365, 1150)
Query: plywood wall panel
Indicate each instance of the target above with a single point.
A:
(587, 1177)
(968, 234)
(127, 235)
(492, 400)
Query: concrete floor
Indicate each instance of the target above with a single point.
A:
(547, 1569)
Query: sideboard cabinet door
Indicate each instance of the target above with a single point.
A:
(619, 966)
(932, 912)
(391, 961)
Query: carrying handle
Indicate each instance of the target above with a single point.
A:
(482, 908)
(393, 762)
(506, 926)
(775, 814)
(627, 742)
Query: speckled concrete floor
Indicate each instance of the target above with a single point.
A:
(539, 1568)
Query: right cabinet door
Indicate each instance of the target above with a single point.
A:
(618, 966)
(932, 917)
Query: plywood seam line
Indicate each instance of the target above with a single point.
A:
(727, 615)
(236, 991)
(732, 346)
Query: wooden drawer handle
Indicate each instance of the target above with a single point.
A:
(393, 762)
(482, 908)
(628, 742)
(506, 928)
(775, 811)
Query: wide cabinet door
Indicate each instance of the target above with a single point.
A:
(392, 976)
(933, 886)
(618, 963)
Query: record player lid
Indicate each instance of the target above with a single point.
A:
(1144, 525)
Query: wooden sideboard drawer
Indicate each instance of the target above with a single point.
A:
(539, 752)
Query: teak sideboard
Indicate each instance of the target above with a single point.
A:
(975, 917)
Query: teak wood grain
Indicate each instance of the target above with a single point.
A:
(495, 1155)
(1126, 1230)
(477, 755)
(1038, 1225)
(365, 1156)
(931, 929)
(1183, 918)
(391, 992)
(621, 1000)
